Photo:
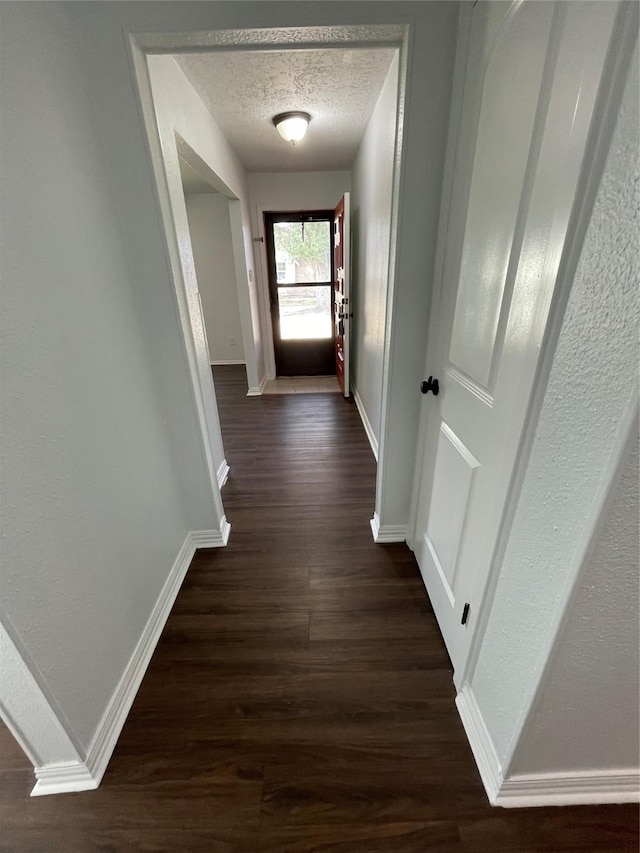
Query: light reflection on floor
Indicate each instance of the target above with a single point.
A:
(302, 385)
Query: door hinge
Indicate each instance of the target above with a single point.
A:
(465, 614)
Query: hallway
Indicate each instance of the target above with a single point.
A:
(301, 697)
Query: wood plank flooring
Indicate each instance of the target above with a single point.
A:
(300, 698)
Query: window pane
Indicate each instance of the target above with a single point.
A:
(303, 251)
(305, 312)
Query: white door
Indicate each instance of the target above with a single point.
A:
(527, 77)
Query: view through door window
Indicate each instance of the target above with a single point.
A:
(303, 261)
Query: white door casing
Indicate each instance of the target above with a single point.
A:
(528, 75)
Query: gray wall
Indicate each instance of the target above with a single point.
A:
(103, 470)
(371, 230)
(295, 191)
(98, 488)
(210, 230)
(182, 115)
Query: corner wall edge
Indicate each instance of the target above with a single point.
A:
(387, 533)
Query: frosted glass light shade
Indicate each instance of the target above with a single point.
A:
(292, 126)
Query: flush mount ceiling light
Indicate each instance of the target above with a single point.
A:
(292, 126)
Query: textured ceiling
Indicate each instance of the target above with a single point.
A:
(245, 89)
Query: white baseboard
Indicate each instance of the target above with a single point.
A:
(228, 361)
(366, 423)
(223, 473)
(480, 743)
(63, 779)
(212, 538)
(387, 533)
(87, 775)
(570, 789)
(257, 390)
(541, 789)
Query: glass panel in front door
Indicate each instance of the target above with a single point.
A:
(305, 312)
(303, 252)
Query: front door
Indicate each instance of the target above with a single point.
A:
(299, 253)
(342, 313)
(532, 75)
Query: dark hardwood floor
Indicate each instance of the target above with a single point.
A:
(300, 698)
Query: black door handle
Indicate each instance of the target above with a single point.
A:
(430, 384)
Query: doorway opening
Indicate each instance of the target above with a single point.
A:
(209, 221)
(299, 251)
(358, 86)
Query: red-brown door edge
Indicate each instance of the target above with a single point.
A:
(341, 284)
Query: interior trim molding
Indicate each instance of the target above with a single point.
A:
(86, 775)
(366, 423)
(540, 789)
(257, 391)
(480, 742)
(228, 361)
(223, 473)
(362, 35)
(387, 533)
(63, 778)
(211, 538)
(570, 789)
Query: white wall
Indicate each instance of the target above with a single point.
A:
(210, 230)
(103, 467)
(287, 191)
(585, 711)
(370, 233)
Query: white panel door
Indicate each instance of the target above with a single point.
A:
(527, 78)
